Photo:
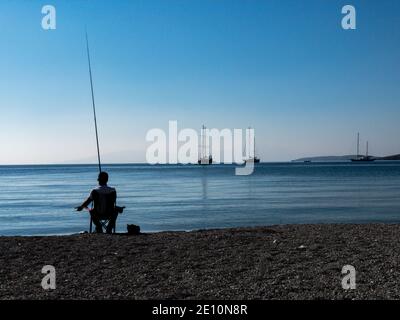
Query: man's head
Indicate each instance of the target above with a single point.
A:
(103, 178)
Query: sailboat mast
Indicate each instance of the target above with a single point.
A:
(248, 141)
(204, 142)
(201, 142)
(254, 146)
(245, 148)
(207, 145)
(367, 150)
(358, 144)
(93, 104)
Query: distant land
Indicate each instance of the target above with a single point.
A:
(343, 158)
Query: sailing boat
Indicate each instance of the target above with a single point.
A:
(360, 158)
(205, 156)
(251, 158)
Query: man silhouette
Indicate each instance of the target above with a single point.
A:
(104, 199)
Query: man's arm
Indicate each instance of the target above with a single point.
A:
(84, 204)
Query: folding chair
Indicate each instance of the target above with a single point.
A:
(104, 223)
(105, 209)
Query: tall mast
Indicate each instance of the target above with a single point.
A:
(254, 146)
(203, 141)
(93, 104)
(358, 144)
(245, 148)
(367, 149)
(248, 141)
(207, 145)
(199, 146)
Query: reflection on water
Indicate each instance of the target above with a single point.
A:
(204, 184)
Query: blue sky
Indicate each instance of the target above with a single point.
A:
(285, 67)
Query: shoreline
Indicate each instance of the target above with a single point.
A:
(273, 262)
(299, 160)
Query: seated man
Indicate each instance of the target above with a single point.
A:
(104, 199)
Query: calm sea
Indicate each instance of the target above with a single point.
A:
(39, 200)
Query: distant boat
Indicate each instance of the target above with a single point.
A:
(360, 158)
(205, 156)
(254, 158)
(205, 161)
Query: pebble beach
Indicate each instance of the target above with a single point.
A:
(289, 262)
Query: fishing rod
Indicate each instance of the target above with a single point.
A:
(93, 104)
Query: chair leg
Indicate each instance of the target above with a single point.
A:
(115, 224)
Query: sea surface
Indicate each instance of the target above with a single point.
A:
(39, 200)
